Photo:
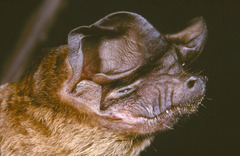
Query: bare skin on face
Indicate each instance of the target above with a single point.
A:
(116, 83)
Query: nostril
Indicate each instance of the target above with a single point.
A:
(191, 82)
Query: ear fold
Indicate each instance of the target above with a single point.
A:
(83, 52)
(113, 47)
(75, 54)
(191, 40)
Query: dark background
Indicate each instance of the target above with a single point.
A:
(214, 129)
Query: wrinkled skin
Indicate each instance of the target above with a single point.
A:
(139, 71)
(116, 83)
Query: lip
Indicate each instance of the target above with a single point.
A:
(170, 116)
(180, 109)
(166, 120)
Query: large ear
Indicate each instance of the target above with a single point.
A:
(75, 55)
(113, 47)
(191, 40)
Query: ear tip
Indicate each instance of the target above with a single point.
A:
(79, 30)
(200, 18)
(198, 21)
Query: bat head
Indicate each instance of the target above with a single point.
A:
(130, 76)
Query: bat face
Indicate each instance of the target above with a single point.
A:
(129, 77)
(116, 83)
(157, 100)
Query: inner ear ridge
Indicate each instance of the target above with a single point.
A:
(102, 78)
(75, 54)
(194, 29)
(190, 41)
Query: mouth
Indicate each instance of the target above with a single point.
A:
(169, 117)
(164, 121)
(172, 114)
(188, 107)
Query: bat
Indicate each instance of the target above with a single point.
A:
(116, 84)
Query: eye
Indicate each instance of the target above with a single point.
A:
(125, 91)
(119, 93)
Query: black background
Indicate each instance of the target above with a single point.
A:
(213, 130)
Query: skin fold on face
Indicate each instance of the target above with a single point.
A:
(134, 73)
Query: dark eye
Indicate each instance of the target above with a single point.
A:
(124, 90)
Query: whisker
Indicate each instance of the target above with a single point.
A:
(203, 105)
(188, 69)
(154, 149)
(179, 111)
(208, 98)
(200, 72)
(167, 126)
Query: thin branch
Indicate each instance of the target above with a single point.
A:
(34, 32)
